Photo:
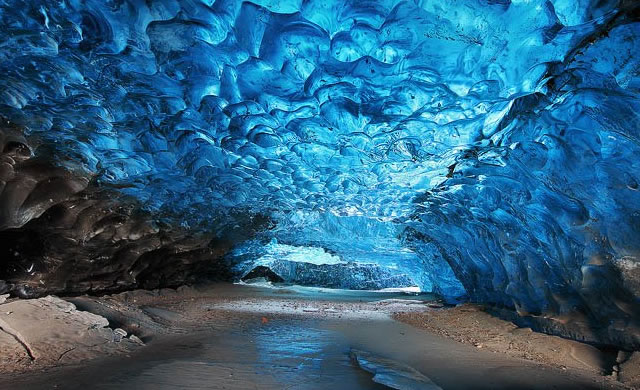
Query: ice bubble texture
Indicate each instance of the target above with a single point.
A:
(490, 146)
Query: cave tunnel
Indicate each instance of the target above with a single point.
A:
(482, 153)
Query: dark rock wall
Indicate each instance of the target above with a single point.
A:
(61, 233)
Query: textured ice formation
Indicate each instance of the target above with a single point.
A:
(313, 266)
(391, 373)
(347, 276)
(488, 148)
(311, 255)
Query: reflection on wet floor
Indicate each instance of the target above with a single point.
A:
(245, 350)
(310, 354)
(273, 356)
(308, 358)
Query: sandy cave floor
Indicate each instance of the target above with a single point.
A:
(225, 336)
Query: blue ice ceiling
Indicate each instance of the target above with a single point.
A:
(487, 147)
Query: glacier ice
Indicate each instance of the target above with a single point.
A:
(276, 251)
(487, 148)
(314, 266)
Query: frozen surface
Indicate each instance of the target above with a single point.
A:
(312, 255)
(392, 374)
(487, 148)
(313, 266)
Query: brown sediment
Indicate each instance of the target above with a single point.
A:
(80, 343)
(471, 324)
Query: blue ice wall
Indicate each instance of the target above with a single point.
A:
(491, 145)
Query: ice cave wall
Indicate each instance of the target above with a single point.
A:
(489, 148)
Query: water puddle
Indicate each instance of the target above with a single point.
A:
(275, 356)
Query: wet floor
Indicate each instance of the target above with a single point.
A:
(275, 356)
(299, 353)
(283, 355)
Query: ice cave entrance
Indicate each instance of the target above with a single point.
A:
(279, 263)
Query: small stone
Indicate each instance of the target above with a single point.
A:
(3, 298)
(136, 339)
(119, 334)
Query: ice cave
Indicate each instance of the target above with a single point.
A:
(299, 184)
